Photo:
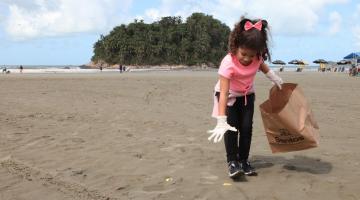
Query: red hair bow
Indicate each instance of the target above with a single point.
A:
(249, 25)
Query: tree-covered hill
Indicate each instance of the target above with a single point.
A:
(201, 39)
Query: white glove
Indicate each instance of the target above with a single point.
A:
(274, 78)
(221, 127)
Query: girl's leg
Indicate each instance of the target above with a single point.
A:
(231, 137)
(245, 128)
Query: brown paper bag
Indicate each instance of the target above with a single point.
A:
(288, 120)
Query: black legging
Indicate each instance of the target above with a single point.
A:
(239, 116)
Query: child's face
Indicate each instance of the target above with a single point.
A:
(245, 55)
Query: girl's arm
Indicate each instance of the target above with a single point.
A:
(270, 74)
(222, 126)
(224, 92)
(264, 68)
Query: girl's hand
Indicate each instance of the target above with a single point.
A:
(274, 78)
(221, 127)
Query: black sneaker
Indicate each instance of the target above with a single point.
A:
(234, 169)
(247, 168)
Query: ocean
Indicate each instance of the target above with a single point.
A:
(78, 69)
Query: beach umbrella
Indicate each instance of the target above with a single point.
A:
(344, 62)
(293, 62)
(320, 61)
(278, 62)
(301, 64)
(297, 62)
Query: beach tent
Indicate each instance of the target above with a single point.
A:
(355, 57)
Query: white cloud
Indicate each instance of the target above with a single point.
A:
(2, 17)
(152, 14)
(356, 14)
(182, 8)
(37, 18)
(335, 20)
(285, 17)
(355, 23)
(24, 3)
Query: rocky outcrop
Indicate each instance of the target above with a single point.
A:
(96, 65)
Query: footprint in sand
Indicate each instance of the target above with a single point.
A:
(180, 148)
(153, 188)
(262, 164)
(208, 179)
(75, 140)
(20, 133)
(157, 189)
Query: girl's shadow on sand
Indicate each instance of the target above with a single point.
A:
(298, 163)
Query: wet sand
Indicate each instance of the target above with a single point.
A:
(143, 136)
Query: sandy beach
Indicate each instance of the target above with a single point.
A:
(143, 136)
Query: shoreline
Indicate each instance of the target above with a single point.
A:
(154, 69)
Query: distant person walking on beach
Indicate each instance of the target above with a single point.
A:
(21, 69)
(235, 93)
(101, 68)
(120, 68)
(353, 71)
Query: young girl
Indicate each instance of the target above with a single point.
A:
(235, 94)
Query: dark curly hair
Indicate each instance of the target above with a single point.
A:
(252, 39)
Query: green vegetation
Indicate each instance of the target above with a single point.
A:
(200, 40)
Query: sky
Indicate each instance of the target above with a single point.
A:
(62, 32)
